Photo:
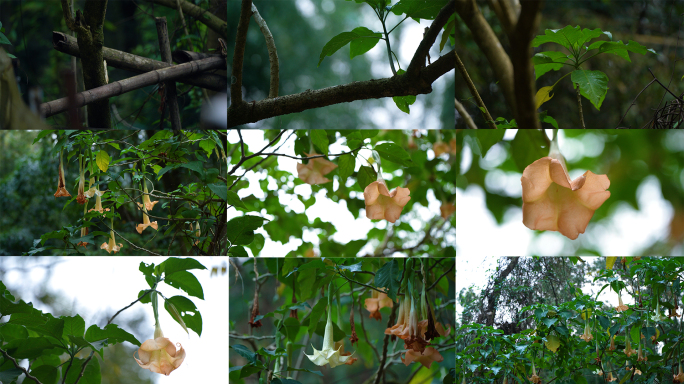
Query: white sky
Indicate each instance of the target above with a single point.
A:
(404, 41)
(348, 228)
(625, 232)
(87, 283)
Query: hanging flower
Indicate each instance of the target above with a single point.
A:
(146, 199)
(159, 355)
(95, 191)
(377, 301)
(609, 377)
(84, 232)
(612, 344)
(81, 198)
(383, 204)
(61, 190)
(414, 341)
(553, 202)
(586, 336)
(339, 345)
(401, 328)
(658, 316)
(255, 311)
(354, 338)
(328, 354)
(641, 355)
(629, 351)
(621, 307)
(534, 378)
(314, 171)
(446, 209)
(426, 358)
(111, 247)
(679, 378)
(146, 222)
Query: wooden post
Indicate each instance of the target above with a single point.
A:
(169, 86)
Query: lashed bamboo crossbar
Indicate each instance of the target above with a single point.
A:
(132, 83)
(123, 60)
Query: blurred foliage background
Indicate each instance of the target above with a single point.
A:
(418, 232)
(28, 209)
(301, 29)
(276, 292)
(630, 159)
(654, 24)
(130, 27)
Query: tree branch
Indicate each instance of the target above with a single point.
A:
(202, 15)
(400, 85)
(465, 115)
(16, 364)
(473, 91)
(272, 53)
(418, 60)
(239, 53)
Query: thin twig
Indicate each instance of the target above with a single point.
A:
(579, 105)
(16, 364)
(473, 91)
(272, 53)
(464, 115)
(444, 274)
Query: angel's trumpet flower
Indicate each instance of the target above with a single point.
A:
(328, 354)
(61, 190)
(377, 301)
(315, 170)
(381, 204)
(160, 355)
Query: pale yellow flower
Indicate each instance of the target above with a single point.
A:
(328, 354)
(159, 355)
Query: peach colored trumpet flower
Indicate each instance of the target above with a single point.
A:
(586, 336)
(111, 247)
(426, 358)
(159, 355)
(401, 328)
(149, 205)
(383, 204)
(621, 307)
(446, 209)
(553, 202)
(146, 223)
(679, 378)
(377, 301)
(61, 190)
(81, 198)
(313, 172)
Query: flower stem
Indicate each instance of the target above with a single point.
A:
(579, 104)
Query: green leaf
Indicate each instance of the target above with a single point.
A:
(419, 9)
(171, 309)
(112, 333)
(11, 332)
(4, 40)
(619, 48)
(284, 381)
(102, 160)
(346, 164)
(46, 374)
(448, 30)
(43, 134)
(208, 146)
(290, 328)
(363, 44)
(388, 277)
(188, 312)
(365, 176)
(30, 348)
(11, 374)
(244, 352)
(234, 200)
(489, 137)
(221, 190)
(80, 342)
(527, 147)
(316, 313)
(336, 43)
(174, 264)
(394, 153)
(593, 85)
(195, 166)
(319, 138)
(570, 37)
(548, 61)
(241, 229)
(187, 282)
(91, 375)
(403, 102)
(237, 251)
(74, 325)
(550, 120)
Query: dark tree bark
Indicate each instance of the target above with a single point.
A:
(88, 26)
(493, 291)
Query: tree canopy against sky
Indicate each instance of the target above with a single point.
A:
(493, 33)
(286, 309)
(642, 216)
(314, 41)
(290, 202)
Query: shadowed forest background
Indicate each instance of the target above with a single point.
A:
(653, 24)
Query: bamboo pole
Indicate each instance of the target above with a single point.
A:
(132, 83)
(123, 60)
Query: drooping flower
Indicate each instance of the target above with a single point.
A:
(446, 209)
(111, 246)
(621, 307)
(84, 232)
(354, 338)
(586, 336)
(160, 355)
(61, 190)
(146, 222)
(328, 354)
(679, 377)
(383, 204)
(534, 378)
(401, 328)
(609, 377)
(255, 311)
(314, 171)
(81, 198)
(149, 205)
(629, 351)
(612, 344)
(553, 202)
(378, 300)
(339, 345)
(95, 191)
(641, 355)
(658, 316)
(426, 358)
(414, 341)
